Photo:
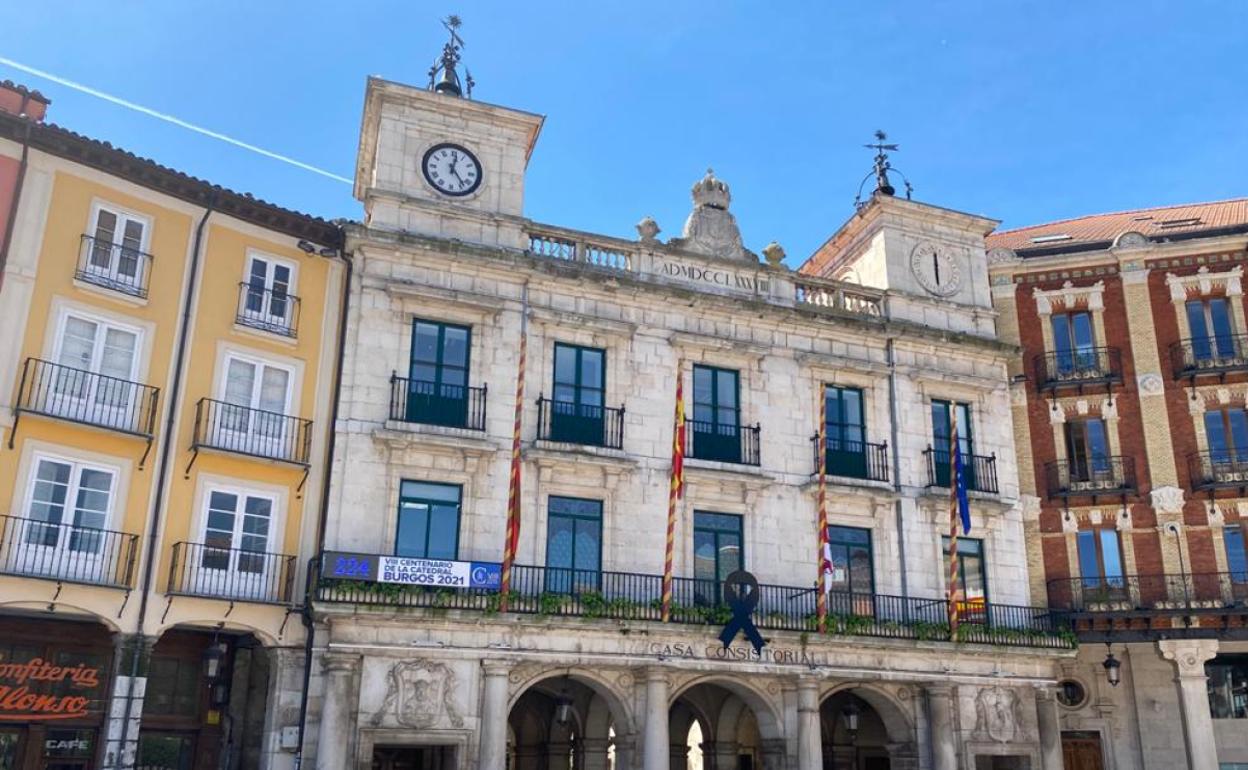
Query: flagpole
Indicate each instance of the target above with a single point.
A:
(513, 491)
(821, 461)
(954, 503)
(676, 489)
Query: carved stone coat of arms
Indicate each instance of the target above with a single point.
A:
(420, 693)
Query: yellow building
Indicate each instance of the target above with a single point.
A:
(167, 373)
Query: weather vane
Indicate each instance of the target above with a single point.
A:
(448, 83)
(880, 170)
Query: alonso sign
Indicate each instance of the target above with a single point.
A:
(37, 690)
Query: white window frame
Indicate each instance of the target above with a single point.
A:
(123, 214)
(265, 318)
(258, 361)
(231, 581)
(120, 415)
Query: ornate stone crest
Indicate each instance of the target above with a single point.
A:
(710, 228)
(420, 693)
(997, 713)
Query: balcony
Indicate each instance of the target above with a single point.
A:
(627, 596)
(980, 471)
(1151, 594)
(85, 397)
(585, 424)
(268, 310)
(1091, 477)
(853, 459)
(67, 553)
(1091, 367)
(1220, 469)
(428, 403)
(235, 574)
(253, 432)
(113, 266)
(1203, 356)
(723, 443)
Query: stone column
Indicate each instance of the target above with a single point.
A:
(941, 727)
(492, 752)
(809, 737)
(678, 756)
(285, 687)
(334, 741)
(132, 654)
(655, 745)
(1050, 729)
(1189, 656)
(624, 751)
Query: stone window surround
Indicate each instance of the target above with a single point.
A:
(944, 391)
(541, 521)
(1204, 399)
(1061, 410)
(435, 310)
(397, 473)
(1070, 298)
(1201, 285)
(1086, 518)
(751, 380)
(615, 358)
(877, 430)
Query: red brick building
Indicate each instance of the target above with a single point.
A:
(1131, 410)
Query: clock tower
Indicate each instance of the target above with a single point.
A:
(433, 161)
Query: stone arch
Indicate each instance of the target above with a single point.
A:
(208, 625)
(897, 721)
(599, 718)
(766, 713)
(617, 702)
(79, 613)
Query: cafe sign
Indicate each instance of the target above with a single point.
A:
(37, 690)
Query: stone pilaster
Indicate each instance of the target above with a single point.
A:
(334, 743)
(1150, 377)
(944, 741)
(1050, 729)
(1189, 657)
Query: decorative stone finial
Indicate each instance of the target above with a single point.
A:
(774, 253)
(710, 229)
(647, 228)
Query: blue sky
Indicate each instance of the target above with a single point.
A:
(1022, 111)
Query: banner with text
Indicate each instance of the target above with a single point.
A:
(413, 572)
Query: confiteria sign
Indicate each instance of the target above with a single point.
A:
(37, 690)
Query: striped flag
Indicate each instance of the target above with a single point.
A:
(677, 489)
(959, 513)
(513, 491)
(825, 549)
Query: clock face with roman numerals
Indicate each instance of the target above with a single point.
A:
(935, 269)
(451, 169)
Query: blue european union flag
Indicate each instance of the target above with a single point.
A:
(964, 505)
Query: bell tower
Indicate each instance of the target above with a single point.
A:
(434, 161)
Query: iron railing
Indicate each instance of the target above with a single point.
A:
(1089, 477)
(631, 596)
(580, 423)
(430, 403)
(1074, 368)
(67, 553)
(1219, 469)
(266, 309)
(723, 443)
(113, 266)
(254, 432)
(1136, 593)
(238, 574)
(1209, 355)
(853, 459)
(980, 471)
(87, 397)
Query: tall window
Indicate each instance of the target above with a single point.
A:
(1100, 559)
(718, 547)
(1073, 341)
(438, 384)
(972, 569)
(237, 530)
(1209, 320)
(1226, 431)
(69, 503)
(573, 544)
(267, 301)
(852, 564)
(116, 248)
(942, 415)
(716, 424)
(847, 432)
(1236, 554)
(428, 520)
(258, 393)
(99, 360)
(580, 382)
(1087, 449)
(1228, 686)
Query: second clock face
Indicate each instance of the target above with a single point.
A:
(935, 269)
(451, 169)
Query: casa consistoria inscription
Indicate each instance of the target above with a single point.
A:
(734, 654)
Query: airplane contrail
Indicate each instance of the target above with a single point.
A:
(170, 119)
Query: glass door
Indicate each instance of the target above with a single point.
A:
(116, 250)
(253, 419)
(437, 389)
(718, 551)
(577, 408)
(69, 506)
(846, 433)
(267, 301)
(235, 561)
(1074, 343)
(1210, 323)
(94, 383)
(716, 424)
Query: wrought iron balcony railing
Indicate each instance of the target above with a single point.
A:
(853, 459)
(1090, 477)
(236, 574)
(980, 471)
(269, 310)
(723, 443)
(636, 597)
(1218, 355)
(1150, 593)
(67, 553)
(1219, 469)
(431, 403)
(87, 397)
(255, 432)
(1078, 368)
(113, 266)
(580, 423)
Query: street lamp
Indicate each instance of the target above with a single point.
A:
(1113, 667)
(850, 714)
(563, 705)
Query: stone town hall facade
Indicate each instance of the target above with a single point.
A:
(579, 672)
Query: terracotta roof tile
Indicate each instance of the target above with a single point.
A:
(1092, 231)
